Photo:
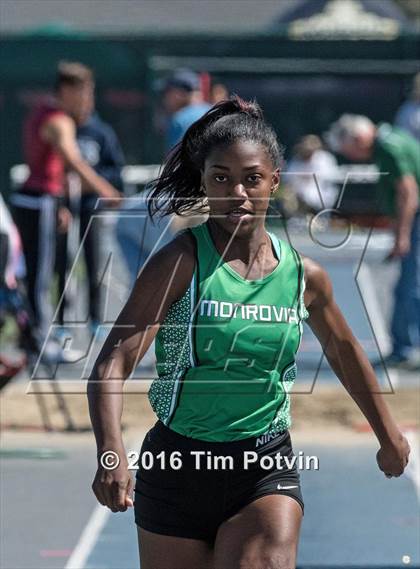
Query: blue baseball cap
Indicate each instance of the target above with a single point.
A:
(185, 79)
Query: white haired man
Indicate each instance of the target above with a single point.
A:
(397, 156)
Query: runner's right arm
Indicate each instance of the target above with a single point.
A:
(60, 132)
(163, 281)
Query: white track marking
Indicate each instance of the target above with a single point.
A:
(367, 288)
(376, 316)
(88, 538)
(413, 468)
(92, 531)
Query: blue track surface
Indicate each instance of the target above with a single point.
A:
(354, 517)
(350, 302)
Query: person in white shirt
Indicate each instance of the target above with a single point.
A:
(310, 175)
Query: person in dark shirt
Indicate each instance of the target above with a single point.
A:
(100, 148)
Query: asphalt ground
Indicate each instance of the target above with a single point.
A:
(354, 516)
(44, 501)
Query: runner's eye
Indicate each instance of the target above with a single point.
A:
(254, 178)
(220, 178)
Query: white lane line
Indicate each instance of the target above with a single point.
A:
(413, 468)
(375, 312)
(93, 528)
(376, 316)
(88, 538)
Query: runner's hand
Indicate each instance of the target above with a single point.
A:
(114, 488)
(392, 458)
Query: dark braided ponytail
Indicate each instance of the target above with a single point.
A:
(178, 189)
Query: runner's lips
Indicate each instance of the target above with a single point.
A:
(240, 210)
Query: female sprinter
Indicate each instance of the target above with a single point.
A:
(225, 303)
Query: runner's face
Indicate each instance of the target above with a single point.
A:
(238, 180)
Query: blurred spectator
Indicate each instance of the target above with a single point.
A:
(183, 101)
(408, 115)
(11, 265)
(137, 234)
(50, 148)
(218, 92)
(100, 148)
(310, 175)
(13, 299)
(397, 156)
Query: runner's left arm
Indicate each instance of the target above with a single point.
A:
(352, 367)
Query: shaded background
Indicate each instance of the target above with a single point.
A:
(302, 74)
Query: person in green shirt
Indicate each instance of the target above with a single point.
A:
(397, 156)
(225, 302)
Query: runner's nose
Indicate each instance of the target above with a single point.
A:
(238, 190)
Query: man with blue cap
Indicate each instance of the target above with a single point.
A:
(183, 101)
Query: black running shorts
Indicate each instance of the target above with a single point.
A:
(187, 487)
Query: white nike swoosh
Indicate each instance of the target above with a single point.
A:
(280, 487)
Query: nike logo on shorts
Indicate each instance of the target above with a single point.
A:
(280, 487)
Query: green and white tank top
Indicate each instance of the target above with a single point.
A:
(226, 350)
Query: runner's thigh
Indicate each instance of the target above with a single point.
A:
(167, 552)
(262, 535)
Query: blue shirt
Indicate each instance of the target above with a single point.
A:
(408, 118)
(182, 120)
